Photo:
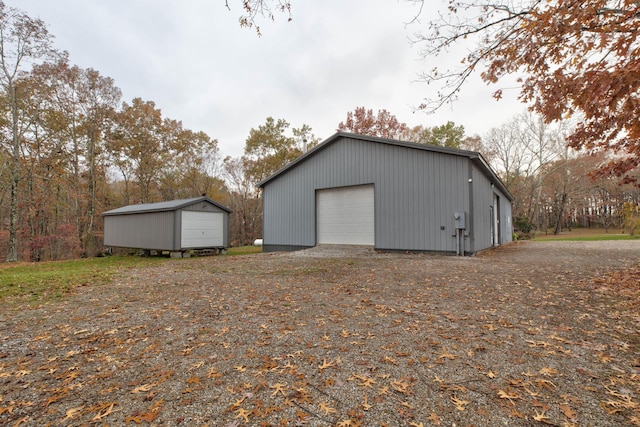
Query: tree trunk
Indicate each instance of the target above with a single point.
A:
(565, 189)
(563, 203)
(12, 253)
(77, 203)
(89, 244)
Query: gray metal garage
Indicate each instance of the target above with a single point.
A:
(392, 195)
(176, 226)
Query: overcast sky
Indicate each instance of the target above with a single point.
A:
(194, 61)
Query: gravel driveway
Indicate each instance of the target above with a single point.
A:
(533, 333)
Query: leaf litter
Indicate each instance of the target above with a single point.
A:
(534, 333)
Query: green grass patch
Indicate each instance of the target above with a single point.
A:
(45, 280)
(244, 250)
(592, 238)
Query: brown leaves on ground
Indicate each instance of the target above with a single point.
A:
(530, 334)
(624, 283)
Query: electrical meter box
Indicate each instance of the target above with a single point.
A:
(460, 220)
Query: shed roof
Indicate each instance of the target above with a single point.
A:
(170, 205)
(475, 157)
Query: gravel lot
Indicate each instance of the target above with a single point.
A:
(533, 333)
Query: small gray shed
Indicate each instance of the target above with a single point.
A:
(392, 195)
(176, 225)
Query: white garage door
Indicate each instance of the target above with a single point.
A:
(202, 230)
(345, 216)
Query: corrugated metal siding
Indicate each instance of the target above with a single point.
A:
(482, 202)
(144, 231)
(506, 222)
(416, 193)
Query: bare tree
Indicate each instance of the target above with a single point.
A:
(245, 201)
(543, 144)
(254, 9)
(525, 151)
(505, 145)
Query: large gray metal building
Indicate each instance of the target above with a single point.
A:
(177, 225)
(392, 195)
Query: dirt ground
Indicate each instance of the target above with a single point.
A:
(533, 333)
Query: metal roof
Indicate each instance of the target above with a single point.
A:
(474, 156)
(170, 205)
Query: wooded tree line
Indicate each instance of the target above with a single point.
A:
(71, 149)
(82, 151)
(556, 187)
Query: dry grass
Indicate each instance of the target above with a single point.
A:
(593, 234)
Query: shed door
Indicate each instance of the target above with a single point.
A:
(345, 216)
(495, 226)
(201, 230)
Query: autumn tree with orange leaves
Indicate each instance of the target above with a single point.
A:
(364, 122)
(578, 59)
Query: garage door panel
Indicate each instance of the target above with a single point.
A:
(346, 216)
(202, 229)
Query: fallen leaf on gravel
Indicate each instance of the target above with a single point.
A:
(278, 388)
(213, 373)
(460, 404)
(326, 364)
(327, 409)
(400, 386)
(21, 421)
(407, 405)
(193, 380)
(446, 355)
(509, 396)
(70, 412)
(542, 418)
(142, 388)
(531, 392)
(242, 413)
(196, 365)
(367, 382)
(107, 411)
(545, 384)
(366, 405)
(612, 407)
(549, 372)
(8, 409)
(567, 411)
(435, 420)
